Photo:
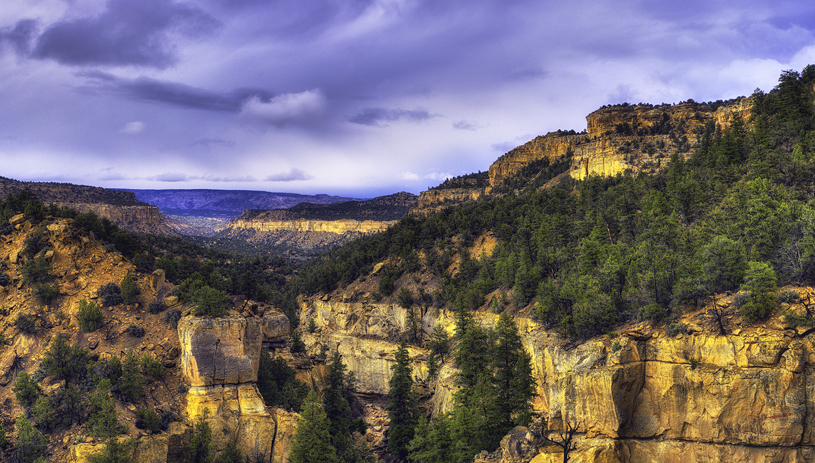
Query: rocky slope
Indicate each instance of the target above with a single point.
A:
(209, 363)
(636, 396)
(121, 207)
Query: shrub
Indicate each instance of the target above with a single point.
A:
(64, 360)
(46, 293)
(210, 302)
(135, 331)
(131, 385)
(793, 319)
(757, 307)
(675, 329)
(789, 296)
(36, 271)
(147, 418)
(654, 312)
(103, 420)
(150, 366)
(4, 279)
(129, 289)
(739, 300)
(110, 294)
(89, 316)
(26, 390)
(156, 307)
(172, 317)
(26, 323)
(3, 438)
(34, 243)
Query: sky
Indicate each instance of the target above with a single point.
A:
(352, 97)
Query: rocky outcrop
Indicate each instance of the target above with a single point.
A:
(135, 219)
(621, 137)
(639, 397)
(220, 359)
(434, 200)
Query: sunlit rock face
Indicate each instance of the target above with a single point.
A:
(639, 397)
(220, 359)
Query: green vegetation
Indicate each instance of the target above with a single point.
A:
(591, 254)
(25, 389)
(210, 302)
(312, 441)
(114, 452)
(64, 360)
(89, 316)
(129, 289)
(31, 443)
(110, 294)
(491, 400)
(403, 410)
(201, 449)
(278, 384)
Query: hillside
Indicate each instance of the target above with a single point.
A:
(121, 207)
(647, 286)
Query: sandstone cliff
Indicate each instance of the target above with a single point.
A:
(639, 397)
(621, 137)
(220, 359)
(135, 219)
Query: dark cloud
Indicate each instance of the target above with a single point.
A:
(292, 175)
(20, 36)
(378, 116)
(465, 125)
(127, 33)
(172, 93)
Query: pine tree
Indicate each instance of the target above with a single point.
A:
(514, 385)
(402, 407)
(312, 440)
(200, 449)
(336, 405)
(31, 443)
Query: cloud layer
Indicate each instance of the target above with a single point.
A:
(364, 97)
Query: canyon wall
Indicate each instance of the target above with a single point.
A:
(640, 396)
(339, 227)
(133, 218)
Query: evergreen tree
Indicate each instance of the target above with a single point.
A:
(200, 449)
(432, 442)
(402, 407)
(131, 384)
(336, 405)
(31, 443)
(103, 420)
(312, 441)
(514, 385)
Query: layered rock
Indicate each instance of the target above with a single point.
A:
(340, 227)
(136, 219)
(619, 138)
(220, 359)
(639, 397)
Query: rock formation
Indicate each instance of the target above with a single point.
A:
(639, 397)
(220, 359)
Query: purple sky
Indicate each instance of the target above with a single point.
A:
(352, 97)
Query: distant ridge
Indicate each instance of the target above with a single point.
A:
(225, 204)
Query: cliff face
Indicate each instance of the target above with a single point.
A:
(220, 359)
(135, 219)
(640, 397)
(620, 138)
(339, 227)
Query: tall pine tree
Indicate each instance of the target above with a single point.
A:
(312, 440)
(402, 408)
(337, 407)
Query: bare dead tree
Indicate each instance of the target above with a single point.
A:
(566, 440)
(109, 331)
(717, 313)
(808, 306)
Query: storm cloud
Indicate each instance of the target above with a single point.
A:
(365, 97)
(127, 33)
